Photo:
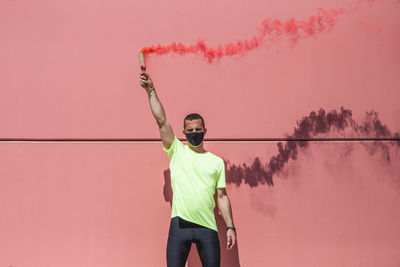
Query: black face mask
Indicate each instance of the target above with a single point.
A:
(195, 138)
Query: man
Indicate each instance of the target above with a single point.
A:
(195, 176)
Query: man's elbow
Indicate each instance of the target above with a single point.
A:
(161, 123)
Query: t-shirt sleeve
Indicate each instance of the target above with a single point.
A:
(174, 148)
(221, 183)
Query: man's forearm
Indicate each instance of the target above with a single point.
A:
(224, 206)
(156, 108)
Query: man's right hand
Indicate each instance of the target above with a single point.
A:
(145, 81)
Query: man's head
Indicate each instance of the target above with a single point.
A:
(193, 123)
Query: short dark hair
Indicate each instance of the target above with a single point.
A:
(193, 116)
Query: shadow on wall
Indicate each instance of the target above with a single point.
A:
(229, 258)
(334, 124)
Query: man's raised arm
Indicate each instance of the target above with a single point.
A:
(166, 132)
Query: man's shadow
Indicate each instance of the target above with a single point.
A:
(229, 258)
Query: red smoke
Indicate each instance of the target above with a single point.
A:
(271, 29)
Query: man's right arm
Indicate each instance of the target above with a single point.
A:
(166, 132)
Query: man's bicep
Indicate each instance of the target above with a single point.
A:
(167, 134)
(221, 192)
(221, 183)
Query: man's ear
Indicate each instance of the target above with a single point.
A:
(205, 130)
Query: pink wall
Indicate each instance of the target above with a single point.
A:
(69, 70)
(102, 204)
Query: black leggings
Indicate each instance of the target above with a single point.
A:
(180, 238)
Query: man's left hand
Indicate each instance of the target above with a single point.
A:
(231, 238)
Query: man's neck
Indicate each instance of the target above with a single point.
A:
(199, 149)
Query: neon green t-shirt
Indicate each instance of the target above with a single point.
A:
(194, 179)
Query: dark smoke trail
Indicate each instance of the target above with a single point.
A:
(308, 127)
